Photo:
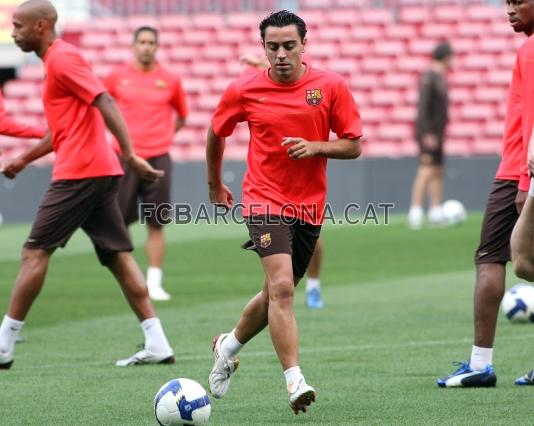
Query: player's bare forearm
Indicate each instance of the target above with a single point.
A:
(115, 123)
(214, 156)
(341, 149)
(10, 168)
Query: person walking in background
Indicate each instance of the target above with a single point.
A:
(430, 135)
(153, 104)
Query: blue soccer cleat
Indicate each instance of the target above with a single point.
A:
(468, 378)
(526, 380)
(313, 299)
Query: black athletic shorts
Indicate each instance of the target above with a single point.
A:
(132, 189)
(90, 204)
(500, 217)
(272, 234)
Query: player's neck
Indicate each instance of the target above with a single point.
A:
(439, 67)
(45, 45)
(299, 73)
(145, 67)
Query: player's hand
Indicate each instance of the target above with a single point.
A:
(220, 195)
(530, 162)
(299, 148)
(144, 170)
(520, 199)
(11, 168)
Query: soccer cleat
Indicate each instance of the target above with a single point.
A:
(313, 299)
(157, 294)
(466, 377)
(146, 357)
(301, 395)
(219, 378)
(526, 380)
(6, 360)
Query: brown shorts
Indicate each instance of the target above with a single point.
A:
(87, 203)
(132, 188)
(499, 220)
(274, 235)
(434, 155)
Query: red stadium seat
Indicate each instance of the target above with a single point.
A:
(400, 32)
(447, 13)
(347, 17)
(381, 17)
(385, 97)
(412, 63)
(484, 12)
(477, 111)
(389, 48)
(208, 21)
(333, 34)
(399, 81)
(354, 49)
(414, 14)
(436, 31)
(376, 64)
(22, 89)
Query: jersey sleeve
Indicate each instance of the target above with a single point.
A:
(228, 113)
(527, 116)
(76, 76)
(110, 83)
(179, 102)
(11, 127)
(345, 119)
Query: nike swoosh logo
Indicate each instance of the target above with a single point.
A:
(260, 100)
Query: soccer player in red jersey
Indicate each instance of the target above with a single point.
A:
(502, 210)
(84, 182)
(290, 109)
(153, 105)
(11, 127)
(521, 13)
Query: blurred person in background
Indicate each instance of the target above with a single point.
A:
(432, 116)
(153, 104)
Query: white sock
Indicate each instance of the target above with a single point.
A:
(313, 283)
(531, 189)
(9, 330)
(292, 374)
(155, 340)
(415, 217)
(435, 214)
(230, 346)
(480, 358)
(154, 276)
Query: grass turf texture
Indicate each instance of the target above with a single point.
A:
(398, 311)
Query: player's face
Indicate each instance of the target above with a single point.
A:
(521, 15)
(284, 49)
(25, 31)
(145, 48)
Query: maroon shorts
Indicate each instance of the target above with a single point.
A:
(500, 217)
(132, 189)
(274, 235)
(434, 155)
(90, 204)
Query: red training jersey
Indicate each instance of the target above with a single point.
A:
(149, 102)
(519, 118)
(274, 183)
(11, 127)
(77, 127)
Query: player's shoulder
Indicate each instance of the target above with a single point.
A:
(168, 72)
(62, 53)
(247, 81)
(527, 47)
(326, 77)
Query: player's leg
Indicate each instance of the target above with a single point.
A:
(419, 189)
(63, 208)
(105, 226)
(490, 259)
(522, 242)
(435, 195)
(159, 194)
(313, 279)
(27, 287)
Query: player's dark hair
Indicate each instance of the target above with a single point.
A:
(143, 29)
(283, 18)
(441, 51)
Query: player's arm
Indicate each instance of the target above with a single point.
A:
(340, 149)
(11, 127)
(12, 167)
(180, 122)
(218, 191)
(115, 123)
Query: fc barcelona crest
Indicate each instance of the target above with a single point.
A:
(314, 97)
(265, 240)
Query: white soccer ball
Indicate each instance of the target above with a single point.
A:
(182, 402)
(518, 303)
(453, 212)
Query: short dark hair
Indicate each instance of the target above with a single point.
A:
(283, 18)
(441, 51)
(143, 29)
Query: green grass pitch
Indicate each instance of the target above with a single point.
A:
(398, 311)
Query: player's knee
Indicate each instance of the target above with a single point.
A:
(34, 258)
(281, 290)
(523, 268)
